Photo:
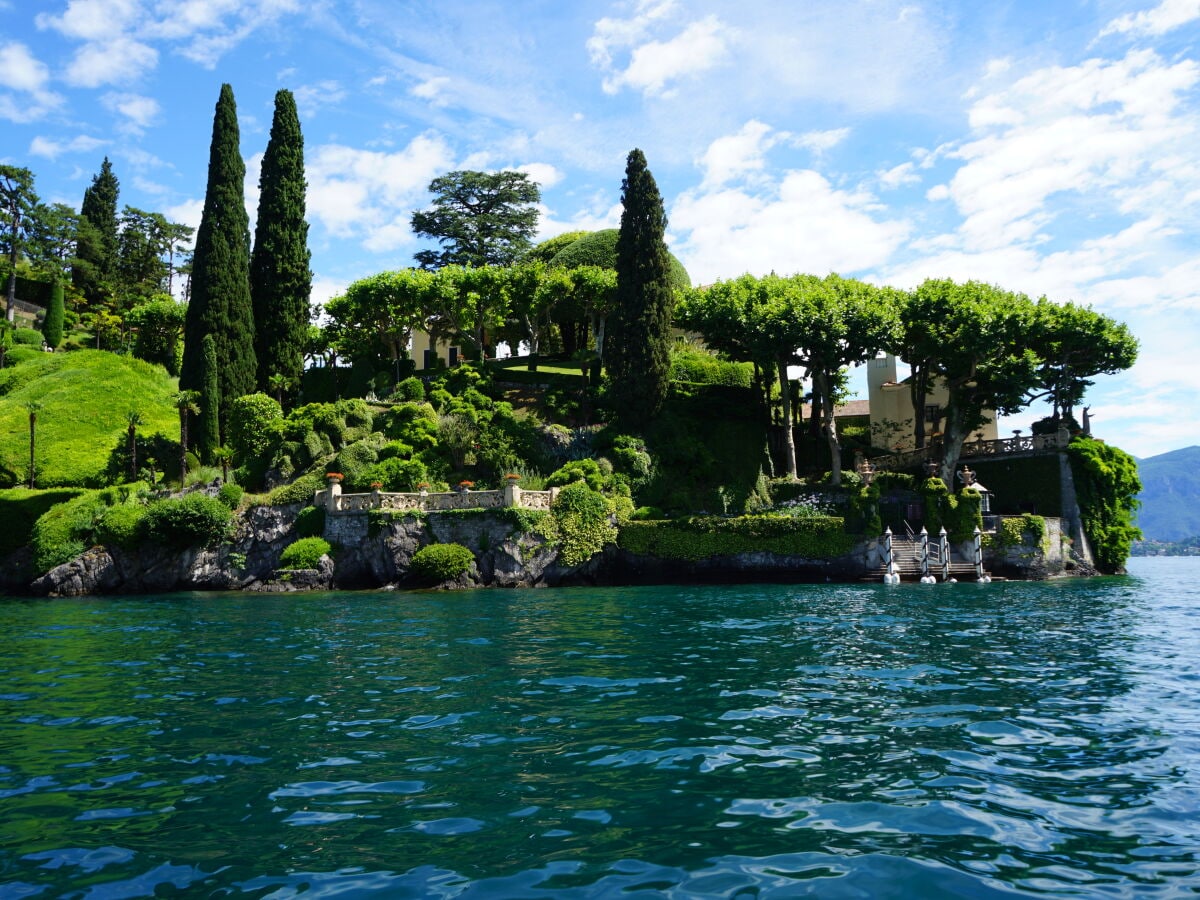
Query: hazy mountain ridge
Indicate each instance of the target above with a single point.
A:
(1170, 495)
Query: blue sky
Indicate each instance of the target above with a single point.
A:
(1048, 147)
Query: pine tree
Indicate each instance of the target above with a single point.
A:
(52, 325)
(209, 436)
(280, 280)
(96, 249)
(637, 346)
(220, 292)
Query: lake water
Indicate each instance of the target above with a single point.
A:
(749, 741)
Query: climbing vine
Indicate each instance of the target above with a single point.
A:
(1106, 486)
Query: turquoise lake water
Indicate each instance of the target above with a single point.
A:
(747, 741)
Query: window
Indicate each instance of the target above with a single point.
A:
(933, 413)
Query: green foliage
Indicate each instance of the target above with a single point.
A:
(410, 390)
(704, 537)
(1024, 483)
(441, 562)
(703, 367)
(637, 346)
(230, 494)
(582, 517)
(96, 246)
(960, 514)
(397, 475)
(310, 521)
(280, 279)
(1107, 485)
(528, 521)
(52, 326)
(255, 425)
(479, 218)
(305, 553)
(20, 508)
(28, 337)
(189, 521)
(220, 299)
(84, 395)
(299, 491)
(66, 530)
(207, 436)
(599, 248)
(159, 326)
(1017, 530)
(121, 526)
(586, 471)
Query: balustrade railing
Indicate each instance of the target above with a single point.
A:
(336, 502)
(1034, 443)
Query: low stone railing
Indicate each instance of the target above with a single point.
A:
(336, 502)
(1034, 443)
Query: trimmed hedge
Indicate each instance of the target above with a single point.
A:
(441, 562)
(193, 520)
(305, 553)
(20, 508)
(702, 537)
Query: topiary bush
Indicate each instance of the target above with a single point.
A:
(410, 390)
(310, 521)
(586, 471)
(230, 494)
(121, 526)
(189, 521)
(441, 562)
(28, 337)
(299, 491)
(255, 425)
(305, 553)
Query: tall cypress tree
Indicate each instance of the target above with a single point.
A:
(280, 280)
(220, 303)
(209, 438)
(96, 243)
(52, 325)
(637, 348)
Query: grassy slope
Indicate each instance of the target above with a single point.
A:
(85, 396)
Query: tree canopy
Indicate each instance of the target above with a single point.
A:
(478, 218)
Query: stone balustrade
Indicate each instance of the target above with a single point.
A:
(1034, 443)
(337, 503)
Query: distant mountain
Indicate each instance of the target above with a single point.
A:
(1170, 495)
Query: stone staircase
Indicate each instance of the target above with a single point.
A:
(906, 554)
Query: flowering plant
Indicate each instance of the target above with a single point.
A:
(421, 485)
(376, 485)
(466, 485)
(334, 476)
(512, 476)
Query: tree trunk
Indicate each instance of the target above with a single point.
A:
(182, 447)
(32, 447)
(918, 388)
(829, 427)
(132, 453)
(953, 439)
(789, 436)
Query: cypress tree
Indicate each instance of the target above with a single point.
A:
(52, 326)
(96, 247)
(637, 349)
(280, 280)
(209, 437)
(220, 302)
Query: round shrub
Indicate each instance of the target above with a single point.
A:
(584, 525)
(310, 521)
(64, 531)
(411, 390)
(305, 553)
(29, 337)
(599, 248)
(194, 520)
(441, 562)
(254, 425)
(230, 494)
(299, 491)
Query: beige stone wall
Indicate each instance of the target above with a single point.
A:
(891, 405)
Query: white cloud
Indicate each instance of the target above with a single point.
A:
(546, 175)
(738, 155)
(1095, 130)
(898, 176)
(700, 46)
(188, 212)
(311, 97)
(801, 224)
(1167, 16)
(371, 195)
(41, 146)
(139, 111)
(93, 20)
(27, 76)
(432, 89)
(822, 141)
(609, 35)
(116, 61)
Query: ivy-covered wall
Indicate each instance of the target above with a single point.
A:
(1026, 484)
